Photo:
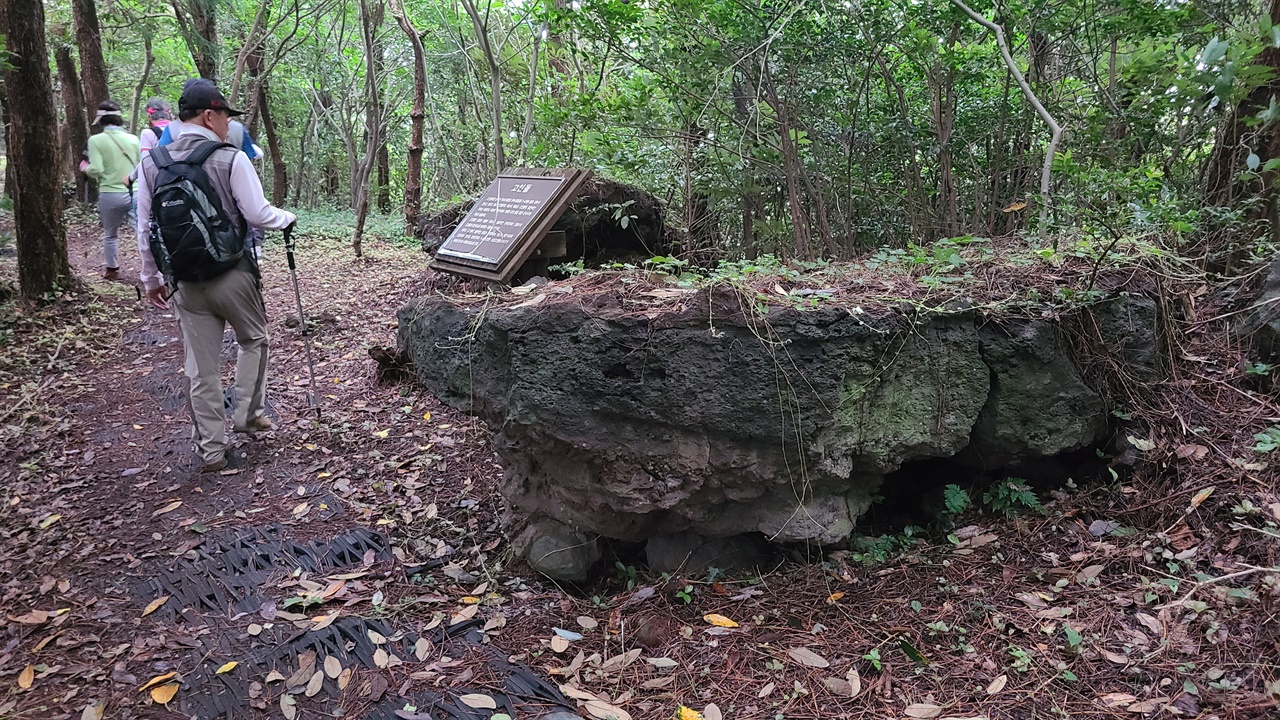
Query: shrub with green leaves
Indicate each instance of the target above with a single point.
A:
(956, 499)
(1011, 495)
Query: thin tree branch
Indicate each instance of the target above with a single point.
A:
(1054, 128)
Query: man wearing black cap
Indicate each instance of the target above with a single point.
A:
(235, 297)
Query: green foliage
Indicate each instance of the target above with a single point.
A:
(831, 147)
(1010, 496)
(1252, 369)
(1074, 639)
(873, 656)
(627, 573)
(878, 550)
(956, 499)
(685, 594)
(1268, 440)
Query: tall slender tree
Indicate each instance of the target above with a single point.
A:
(32, 145)
(370, 18)
(93, 69)
(198, 22)
(413, 175)
(73, 108)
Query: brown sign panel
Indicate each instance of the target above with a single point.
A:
(507, 222)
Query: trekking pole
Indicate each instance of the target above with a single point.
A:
(313, 399)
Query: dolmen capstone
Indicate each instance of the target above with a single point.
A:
(689, 420)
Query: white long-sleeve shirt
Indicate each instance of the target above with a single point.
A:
(245, 187)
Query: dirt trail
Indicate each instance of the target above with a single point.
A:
(366, 547)
(106, 510)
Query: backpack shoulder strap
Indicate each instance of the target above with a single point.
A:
(203, 151)
(161, 157)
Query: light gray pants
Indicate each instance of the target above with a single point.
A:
(204, 311)
(113, 209)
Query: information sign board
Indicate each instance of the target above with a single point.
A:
(508, 221)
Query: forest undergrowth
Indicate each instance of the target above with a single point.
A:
(1153, 594)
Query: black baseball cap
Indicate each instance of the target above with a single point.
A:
(203, 95)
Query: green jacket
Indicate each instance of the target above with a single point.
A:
(113, 154)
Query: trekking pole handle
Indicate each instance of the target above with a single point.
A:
(288, 244)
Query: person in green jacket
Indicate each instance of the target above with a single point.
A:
(113, 154)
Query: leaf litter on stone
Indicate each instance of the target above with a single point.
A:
(922, 711)
(332, 667)
(807, 657)
(315, 683)
(854, 678)
(162, 694)
(478, 701)
(157, 680)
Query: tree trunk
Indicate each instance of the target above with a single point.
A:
(791, 170)
(332, 182)
(138, 89)
(280, 174)
(370, 17)
(481, 27)
(384, 155)
(4, 117)
(33, 151)
(198, 22)
(93, 70)
(1234, 139)
(943, 104)
(1055, 130)
(542, 31)
(300, 174)
(77, 128)
(384, 178)
(251, 45)
(704, 235)
(413, 175)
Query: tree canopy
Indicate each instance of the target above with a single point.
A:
(795, 128)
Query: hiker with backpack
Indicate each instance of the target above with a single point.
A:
(113, 153)
(159, 114)
(238, 136)
(196, 200)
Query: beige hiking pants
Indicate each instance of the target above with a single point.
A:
(204, 310)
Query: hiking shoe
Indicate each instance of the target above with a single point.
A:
(262, 423)
(111, 274)
(229, 461)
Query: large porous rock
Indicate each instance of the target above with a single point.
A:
(1038, 406)
(1261, 326)
(692, 417)
(557, 550)
(607, 221)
